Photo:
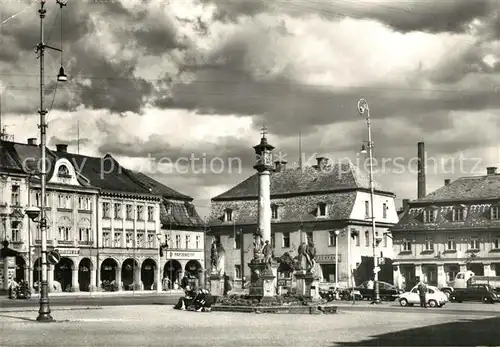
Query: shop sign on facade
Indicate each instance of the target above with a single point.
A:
(327, 258)
(184, 255)
(69, 252)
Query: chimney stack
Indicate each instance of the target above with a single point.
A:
(61, 147)
(406, 203)
(492, 170)
(321, 163)
(447, 181)
(421, 171)
(32, 141)
(280, 165)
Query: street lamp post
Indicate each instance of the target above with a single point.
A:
(364, 109)
(337, 232)
(159, 283)
(44, 311)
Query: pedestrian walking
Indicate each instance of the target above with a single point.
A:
(422, 291)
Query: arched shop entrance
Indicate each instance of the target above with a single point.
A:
(63, 273)
(84, 269)
(130, 274)
(148, 273)
(193, 267)
(172, 271)
(20, 268)
(108, 270)
(37, 271)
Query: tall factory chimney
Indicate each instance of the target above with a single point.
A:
(421, 171)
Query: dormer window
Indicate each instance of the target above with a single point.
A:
(495, 212)
(274, 211)
(321, 211)
(228, 215)
(458, 214)
(190, 210)
(63, 171)
(429, 216)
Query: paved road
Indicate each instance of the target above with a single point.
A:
(66, 301)
(463, 309)
(163, 326)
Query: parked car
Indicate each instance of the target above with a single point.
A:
(476, 292)
(465, 279)
(329, 294)
(387, 291)
(434, 297)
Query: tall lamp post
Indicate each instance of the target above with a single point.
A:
(364, 110)
(337, 233)
(159, 283)
(44, 311)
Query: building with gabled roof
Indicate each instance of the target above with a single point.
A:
(452, 229)
(105, 220)
(306, 203)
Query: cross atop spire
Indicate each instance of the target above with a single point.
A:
(263, 131)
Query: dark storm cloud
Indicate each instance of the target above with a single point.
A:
(157, 148)
(288, 108)
(434, 17)
(114, 84)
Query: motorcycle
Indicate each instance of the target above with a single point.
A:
(20, 292)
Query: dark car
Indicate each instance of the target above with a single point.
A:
(476, 292)
(387, 291)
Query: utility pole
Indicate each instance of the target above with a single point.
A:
(44, 311)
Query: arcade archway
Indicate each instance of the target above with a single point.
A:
(84, 269)
(172, 271)
(148, 273)
(193, 267)
(108, 270)
(130, 274)
(37, 271)
(63, 273)
(20, 268)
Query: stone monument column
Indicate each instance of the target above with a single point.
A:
(264, 165)
(263, 267)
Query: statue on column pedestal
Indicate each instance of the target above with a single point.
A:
(258, 245)
(217, 254)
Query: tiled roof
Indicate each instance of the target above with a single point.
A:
(466, 188)
(176, 214)
(477, 217)
(477, 194)
(295, 209)
(158, 188)
(337, 177)
(104, 173)
(9, 161)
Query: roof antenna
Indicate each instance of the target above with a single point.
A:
(78, 137)
(300, 150)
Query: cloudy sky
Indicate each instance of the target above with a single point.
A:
(154, 81)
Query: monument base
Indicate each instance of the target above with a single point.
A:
(216, 285)
(263, 281)
(307, 284)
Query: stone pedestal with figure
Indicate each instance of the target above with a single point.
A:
(307, 284)
(263, 280)
(216, 285)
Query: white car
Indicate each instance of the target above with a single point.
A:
(434, 297)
